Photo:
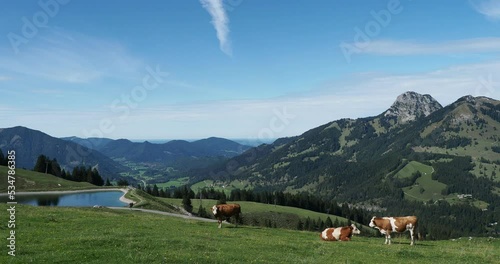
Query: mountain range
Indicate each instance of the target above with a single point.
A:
(162, 153)
(113, 157)
(417, 149)
(29, 144)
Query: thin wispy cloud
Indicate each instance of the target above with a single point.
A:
(4, 78)
(72, 58)
(400, 48)
(220, 21)
(489, 8)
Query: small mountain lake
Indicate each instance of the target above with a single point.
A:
(104, 198)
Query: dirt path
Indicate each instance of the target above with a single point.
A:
(165, 213)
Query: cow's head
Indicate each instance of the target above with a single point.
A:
(372, 222)
(355, 230)
(214, 209)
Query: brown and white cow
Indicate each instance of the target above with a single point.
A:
(386, 225)
(339, 233)
(221, 211)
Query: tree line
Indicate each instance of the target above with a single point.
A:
(3, 159)
(79, 174)
(302, 200)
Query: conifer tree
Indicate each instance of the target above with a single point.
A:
(41, 164)
(96, 177)
(186, 203)
(336, 222)
(2, 158)
(300, 225)
(108, 183)
(202, 212)
(328, 222)
(155, 191)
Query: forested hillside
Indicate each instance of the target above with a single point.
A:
(364, 161)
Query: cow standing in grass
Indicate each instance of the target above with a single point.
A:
(339, 233)
(221, 211)
(386, 225)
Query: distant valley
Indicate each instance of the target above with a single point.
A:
(121, 158)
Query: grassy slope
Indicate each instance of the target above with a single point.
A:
(426, 188)
(481, 142)
(252, 207)
(235, 184)
(431, 189)
(34, 181)
(146, 201)
(79, 235)
(413, 167)
(174, 183)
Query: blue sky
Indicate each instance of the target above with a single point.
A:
(190, 69)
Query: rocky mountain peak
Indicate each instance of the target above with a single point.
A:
(411, 105)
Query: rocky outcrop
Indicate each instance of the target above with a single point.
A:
(411, 106)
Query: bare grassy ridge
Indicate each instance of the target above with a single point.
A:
(86, 235)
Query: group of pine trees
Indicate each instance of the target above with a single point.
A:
(79, 174)
(3, 159)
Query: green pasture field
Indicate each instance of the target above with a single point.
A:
(253, 207)
(175, 183)
(412, 167)
(236, 184)
(431, 189)
(88, 235)
(427, 189)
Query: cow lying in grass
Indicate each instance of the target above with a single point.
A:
(221, 211)
(339, 233)
(386, 225)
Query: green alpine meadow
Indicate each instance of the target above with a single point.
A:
(88, 235)
(250, 131)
